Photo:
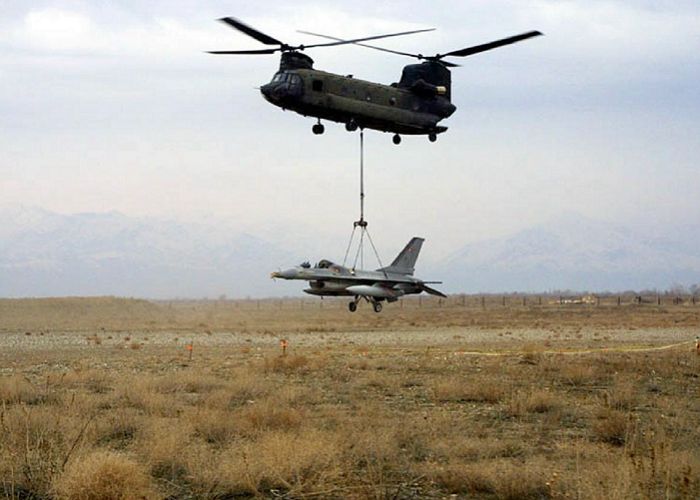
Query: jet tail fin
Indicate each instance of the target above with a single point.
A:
(405, 262)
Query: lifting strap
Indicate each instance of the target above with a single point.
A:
(362, 223)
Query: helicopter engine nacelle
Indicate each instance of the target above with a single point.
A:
(295, 60)
(421, 87)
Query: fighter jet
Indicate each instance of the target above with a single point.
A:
(387, 283)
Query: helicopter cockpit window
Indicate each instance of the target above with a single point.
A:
(294, 82)
(317, 85)
(280, 77)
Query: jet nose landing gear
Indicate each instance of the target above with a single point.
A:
(377, 307)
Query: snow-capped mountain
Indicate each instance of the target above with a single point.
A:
(577, 253)
(44, 253)
(48, 254)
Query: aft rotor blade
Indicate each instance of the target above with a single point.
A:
(251, 32)
(491, 45)
(243, 52)
(339, 41)
(355, 41)
(432, 291)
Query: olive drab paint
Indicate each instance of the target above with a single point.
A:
(415, 105)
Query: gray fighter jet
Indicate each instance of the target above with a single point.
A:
(387, 283)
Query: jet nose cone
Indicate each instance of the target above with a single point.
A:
(285, 275)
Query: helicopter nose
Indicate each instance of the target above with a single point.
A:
(271, 92)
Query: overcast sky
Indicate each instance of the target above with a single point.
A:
(114, 106)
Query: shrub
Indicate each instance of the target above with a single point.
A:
(16, 389)
(611, 427)
(469, 390)
(103, 475)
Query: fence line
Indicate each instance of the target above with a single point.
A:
(469, 301)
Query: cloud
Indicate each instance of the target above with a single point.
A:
(54, 29)
(61, 32)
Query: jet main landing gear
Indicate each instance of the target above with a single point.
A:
(352, 306)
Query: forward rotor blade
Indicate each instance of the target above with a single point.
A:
(243, 52)
(251, 32)
(445, 63)
(355, 41)
(491, 45)
(432, 291)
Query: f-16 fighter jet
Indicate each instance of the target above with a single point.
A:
(387, 283)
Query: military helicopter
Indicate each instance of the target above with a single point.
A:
(413, 106)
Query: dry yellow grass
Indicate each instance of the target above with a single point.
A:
(344, 419)
(103, 475)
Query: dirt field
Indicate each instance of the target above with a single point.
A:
(466, 397)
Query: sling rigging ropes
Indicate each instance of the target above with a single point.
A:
(362, 223)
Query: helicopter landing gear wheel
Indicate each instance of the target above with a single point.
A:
(352, 307)
(432, 137)
(318, 129)
(396, 139)
(377, 307)
(351, 126)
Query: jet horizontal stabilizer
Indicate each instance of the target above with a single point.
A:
(432, 291)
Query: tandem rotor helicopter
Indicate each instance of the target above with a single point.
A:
(413, 106)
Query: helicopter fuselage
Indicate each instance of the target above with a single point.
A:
(358, 103)
(415, 105)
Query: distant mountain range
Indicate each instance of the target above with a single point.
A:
(44, 254)
(48, 254)
(577, 253)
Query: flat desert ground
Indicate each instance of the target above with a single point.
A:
(469, 397)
